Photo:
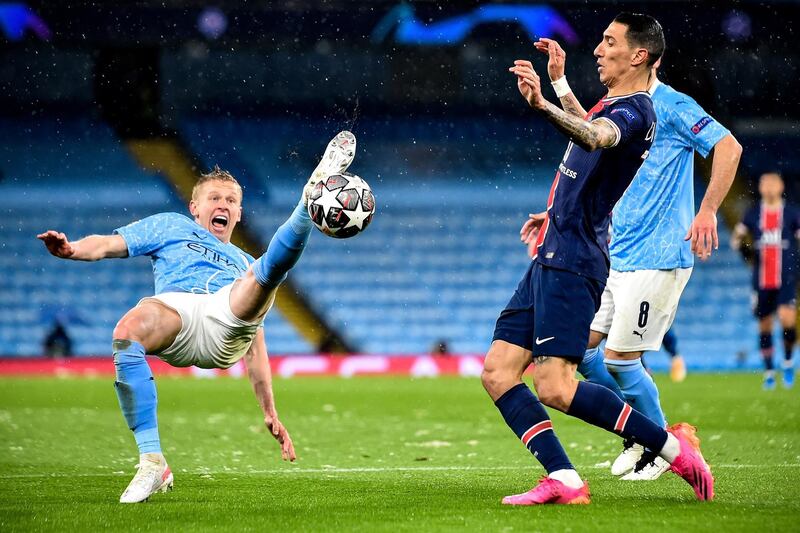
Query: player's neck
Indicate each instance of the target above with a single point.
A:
(636, 82)
(773, 203)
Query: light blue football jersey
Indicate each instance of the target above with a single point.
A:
(653, 216)
(186, 257)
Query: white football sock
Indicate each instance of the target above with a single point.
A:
(568, 477)
(671, 449)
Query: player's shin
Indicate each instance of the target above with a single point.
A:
(527, 418)
(284, 249)
(638, 388)
(789, 339)
(594, 370)
(136, 391)
(599, 406)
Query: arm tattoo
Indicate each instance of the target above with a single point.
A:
(572, 106)
(588, 135)
(540, 359)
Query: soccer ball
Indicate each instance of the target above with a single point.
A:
(341, 205)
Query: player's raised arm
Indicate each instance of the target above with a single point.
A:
(556, 64)
(588, 135)
(91, 248)
(703, 231)
(260, 375)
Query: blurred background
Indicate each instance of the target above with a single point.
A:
(109, 109)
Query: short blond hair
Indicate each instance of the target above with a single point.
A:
(215, 174)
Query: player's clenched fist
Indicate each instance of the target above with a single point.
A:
(528, 83)
(57, 244)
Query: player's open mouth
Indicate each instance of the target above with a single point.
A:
(219, 222)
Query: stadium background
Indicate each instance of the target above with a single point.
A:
(108, 111)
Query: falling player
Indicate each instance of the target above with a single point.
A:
(209, 305)
(775, 229)
(547, 319)
(651, 248)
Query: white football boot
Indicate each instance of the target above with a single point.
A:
(647, 472)
(153, 476)
(338, 156)
(627, 459)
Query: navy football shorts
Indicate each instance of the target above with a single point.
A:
(550, 312)
(767, 301)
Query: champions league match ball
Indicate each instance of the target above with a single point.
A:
(341, 205)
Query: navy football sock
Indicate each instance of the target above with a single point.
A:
(638, 388)
(284, 249)
(765, 342)
(789, 338)
(136, 392)
(670, 343)
(593, 368)
(526, 416)
(599, 406)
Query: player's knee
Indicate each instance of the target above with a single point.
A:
(496, 380)
(552, 395)
(552, 391)
(129, 328)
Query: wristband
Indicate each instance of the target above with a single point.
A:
(561, 87)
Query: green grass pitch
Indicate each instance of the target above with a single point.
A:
(377, 454)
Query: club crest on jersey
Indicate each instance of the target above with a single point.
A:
(702, 123)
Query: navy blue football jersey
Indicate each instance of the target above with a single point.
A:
(775, 232)
(574, 236)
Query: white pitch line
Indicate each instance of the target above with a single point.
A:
(357, 470)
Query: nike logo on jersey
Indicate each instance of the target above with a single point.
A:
(542, 341)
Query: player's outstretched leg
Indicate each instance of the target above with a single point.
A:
(253, 294)
(136, 391)
(290, 239)
(678, 446)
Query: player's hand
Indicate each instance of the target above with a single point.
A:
(528, 83)
(557, 57)
(57, 244)
(280, 433)
(530, 229)
(703, 234)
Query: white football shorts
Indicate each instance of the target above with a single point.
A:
(211, 335)
(638, 307)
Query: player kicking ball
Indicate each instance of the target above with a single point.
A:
(209, 304)
(547, 319)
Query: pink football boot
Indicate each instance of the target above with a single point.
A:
(550, 490)
(690, 464)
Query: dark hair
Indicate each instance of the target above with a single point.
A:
(644, 31)
(216, 174)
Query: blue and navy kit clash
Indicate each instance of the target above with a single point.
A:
(552, 309)
(186, 257)
(588, 184)
(775, 232)
(653, 216)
